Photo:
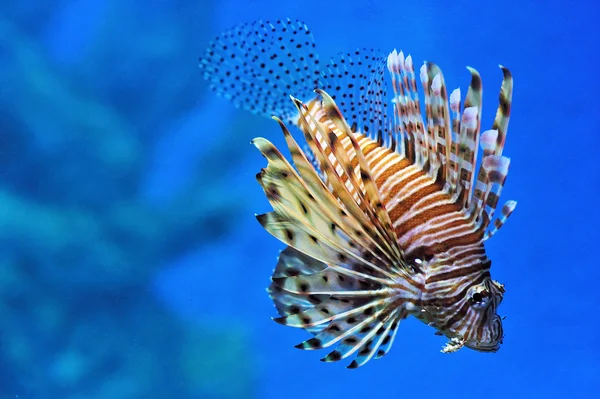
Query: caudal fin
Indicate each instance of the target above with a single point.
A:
(258, 65)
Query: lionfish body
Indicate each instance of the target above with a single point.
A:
(383, 218)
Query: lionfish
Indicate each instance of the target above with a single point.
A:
(382, 217)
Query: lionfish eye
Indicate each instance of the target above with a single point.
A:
(480, 298)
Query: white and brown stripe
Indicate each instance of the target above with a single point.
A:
(432, 212)
(386, 219)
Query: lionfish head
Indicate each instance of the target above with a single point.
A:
(483, 328)
(473, 320)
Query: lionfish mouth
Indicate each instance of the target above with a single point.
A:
(490, 345)
(457, 342)
(496, 338)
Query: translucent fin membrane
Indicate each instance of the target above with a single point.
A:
(258, 65)
(343, 311)
(357, 82)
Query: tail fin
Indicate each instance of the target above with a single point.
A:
(258, 65)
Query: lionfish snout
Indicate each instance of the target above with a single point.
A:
(491, 337)
(487, 332)
(480, 327)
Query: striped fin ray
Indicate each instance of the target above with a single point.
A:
(354, 202)
(503, 112)
(501, 125)
(494, 166)
(469, 137)
(438, 117)
(258, 65)
(298, 220)
(407, 109)
(415, 118)
(429, 147)
(454, 164)
(482, 187)
(359, 231)
(398, 132)
(371, 192)
(506, 211)
(495, 169)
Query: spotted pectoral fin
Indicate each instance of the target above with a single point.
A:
(308, 217)
(341, 277)
(352, 315)
(355, 193)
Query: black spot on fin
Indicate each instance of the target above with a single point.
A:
(258, 65)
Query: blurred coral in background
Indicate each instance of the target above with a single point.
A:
(88, 92)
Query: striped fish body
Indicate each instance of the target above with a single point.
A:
(435, 232)
(382, 219)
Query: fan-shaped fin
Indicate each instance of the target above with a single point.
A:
(356, 82)
(359, 208)
(375, 339)
(342, 276)
(258, 65)
(355, 314)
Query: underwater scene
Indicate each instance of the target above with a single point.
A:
(162, 236)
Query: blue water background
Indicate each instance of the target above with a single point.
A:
(213, 277)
